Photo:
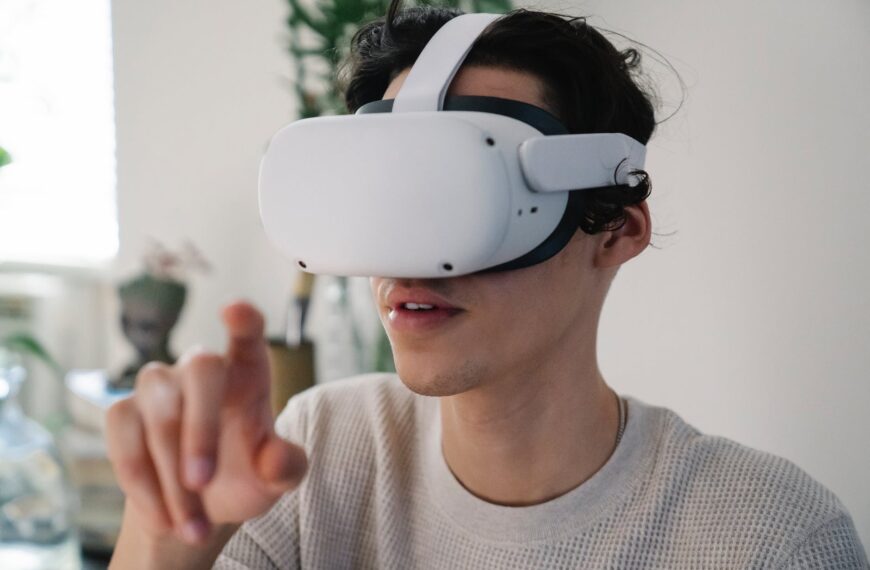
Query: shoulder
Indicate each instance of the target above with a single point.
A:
(760, 482)
(746, 493)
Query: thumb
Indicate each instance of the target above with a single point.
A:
(281, 464)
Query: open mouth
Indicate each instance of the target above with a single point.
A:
(418, 307)
(411, 316)
(412, 307)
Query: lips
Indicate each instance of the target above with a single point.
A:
(418, 310)
(400, 297)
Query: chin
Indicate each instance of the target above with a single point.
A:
(430, 379)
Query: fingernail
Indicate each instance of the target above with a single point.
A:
(195, 530)
(198, 470)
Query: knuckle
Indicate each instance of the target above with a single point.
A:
(151, 373)
(165, 424)
(160, 406)
(203, 364)
(158, 395)
(155, 367)
(123, 429)
(120, 412)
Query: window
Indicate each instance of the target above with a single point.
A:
(57, 197)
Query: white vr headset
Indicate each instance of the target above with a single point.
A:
(427, 186)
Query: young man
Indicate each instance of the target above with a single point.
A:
(498, 444)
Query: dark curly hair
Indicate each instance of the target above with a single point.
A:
(590, 85)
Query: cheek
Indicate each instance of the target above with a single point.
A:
(529, 316)
(520, 327)
(517, 312)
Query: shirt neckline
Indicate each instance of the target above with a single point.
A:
(567, 514)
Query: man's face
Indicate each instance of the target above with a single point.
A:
(487, 326)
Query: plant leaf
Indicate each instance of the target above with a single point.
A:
(27, 344)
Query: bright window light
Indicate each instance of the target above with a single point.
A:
(57, 196)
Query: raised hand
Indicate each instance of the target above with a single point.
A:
(195, 444)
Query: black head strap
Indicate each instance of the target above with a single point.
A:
(534, 116)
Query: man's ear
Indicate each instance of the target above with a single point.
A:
(615, 247)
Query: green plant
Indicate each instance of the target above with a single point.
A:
(27, 344)
(320, 37)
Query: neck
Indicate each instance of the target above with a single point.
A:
(531, 435)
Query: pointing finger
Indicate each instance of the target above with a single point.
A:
(245, 325)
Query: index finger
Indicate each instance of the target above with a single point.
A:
(247, 345)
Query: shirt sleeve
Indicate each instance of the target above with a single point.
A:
(271, 541)
(833, 546)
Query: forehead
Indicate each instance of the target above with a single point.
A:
(487, 81)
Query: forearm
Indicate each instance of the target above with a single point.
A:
(137, 550)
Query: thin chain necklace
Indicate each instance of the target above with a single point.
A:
(621, 428)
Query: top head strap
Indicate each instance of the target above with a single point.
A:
(431, 74)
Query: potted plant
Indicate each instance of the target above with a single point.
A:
(151, 303)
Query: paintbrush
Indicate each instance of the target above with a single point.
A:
(297, 309)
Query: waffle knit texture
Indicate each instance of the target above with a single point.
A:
(380, 495)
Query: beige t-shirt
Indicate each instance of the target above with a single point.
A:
(380, 495)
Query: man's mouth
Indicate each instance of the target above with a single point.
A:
(418, 306)
(421, 308)
(425, 314)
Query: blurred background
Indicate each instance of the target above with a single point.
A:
(133, 133)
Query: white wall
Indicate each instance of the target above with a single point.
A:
(201, 85)
(753, 321)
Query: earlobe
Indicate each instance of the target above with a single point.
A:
(619, 245)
